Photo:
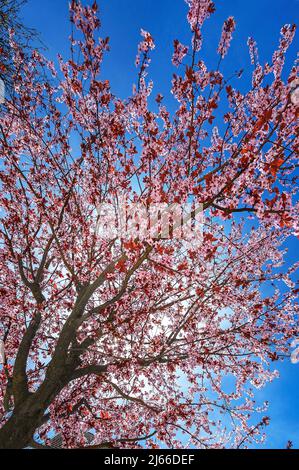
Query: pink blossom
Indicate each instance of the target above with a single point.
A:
(97, 330)
(287, 35)
(179, 53)
(226, 36)
(199, 11)
(253, 52)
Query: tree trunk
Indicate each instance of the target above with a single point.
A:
(18, 431)
(29, 414)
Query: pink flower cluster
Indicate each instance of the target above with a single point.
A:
(144, 46)
(148, 42)
(179, 52)
(199, 11)
(287, 32)
(253, 52)
(226, 36)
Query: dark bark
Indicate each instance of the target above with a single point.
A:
(19, 429)
(30, 408)
(30, 414)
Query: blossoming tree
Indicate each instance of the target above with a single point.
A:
(10, 20)
(132, 338)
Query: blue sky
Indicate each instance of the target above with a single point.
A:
(165, 19)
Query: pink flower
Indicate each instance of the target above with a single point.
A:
(179, 53)
(287, 32)
(143, 48)
(226, 37)
(199, 11)
(253, 52)
(148, 43)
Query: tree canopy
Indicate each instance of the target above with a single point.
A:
(132, 338)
